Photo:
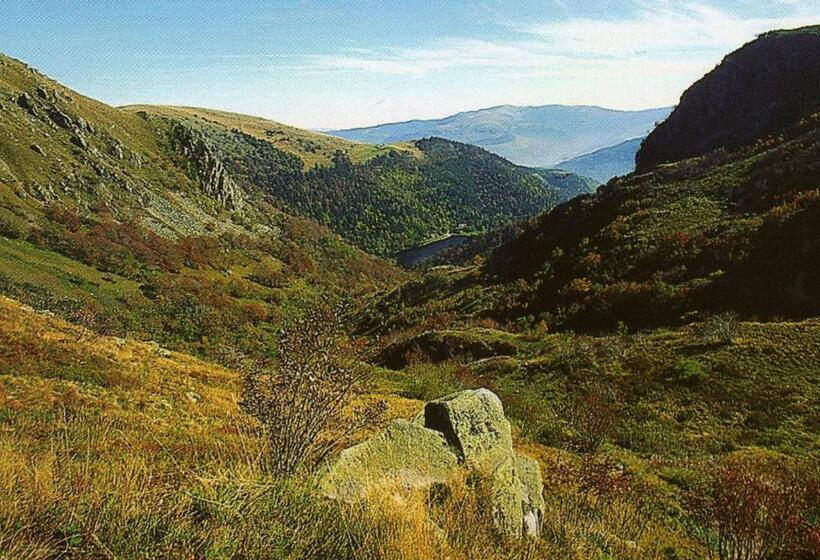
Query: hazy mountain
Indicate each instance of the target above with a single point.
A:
(535, 136)
(605, 163)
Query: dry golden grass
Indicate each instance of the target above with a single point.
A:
(113, 448)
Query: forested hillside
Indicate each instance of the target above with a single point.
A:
(704, 234)
(383, 199)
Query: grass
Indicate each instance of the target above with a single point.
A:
(24, 263)
(677, 393)
(113, 448)
(313, 148)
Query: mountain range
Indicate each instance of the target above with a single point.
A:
(655, 341)
(539, 136)
(605, 163)
(702, 232)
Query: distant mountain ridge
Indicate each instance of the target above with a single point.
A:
(537, 136)
(605, 163)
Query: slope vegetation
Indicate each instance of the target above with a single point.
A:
(384, 199)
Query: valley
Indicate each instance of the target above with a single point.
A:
(223, 337)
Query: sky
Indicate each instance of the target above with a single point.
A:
(353, 63)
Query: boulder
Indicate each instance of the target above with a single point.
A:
(506, 498)
(532, 494)
(466, 430)
(474, 424)
(404, 454)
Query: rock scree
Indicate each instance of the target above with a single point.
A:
(463, 431)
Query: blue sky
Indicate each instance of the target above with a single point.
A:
(359, 62)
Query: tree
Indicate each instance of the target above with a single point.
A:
(304, 400)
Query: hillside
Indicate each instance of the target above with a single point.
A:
(540, 136)
(131, 225)
(185, 171)
(383, 199)
(606, 163)
(701, 235)
(756, 91)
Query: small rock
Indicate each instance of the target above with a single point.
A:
(193, 397)
(79, 141)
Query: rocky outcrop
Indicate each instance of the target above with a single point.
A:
(207, 167)
(756, 91)
(464, 431)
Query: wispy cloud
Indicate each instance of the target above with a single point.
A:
(691, 34)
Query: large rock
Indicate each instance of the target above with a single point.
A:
(466, 430)
(532, 494)
(404, 454)
(474, 424)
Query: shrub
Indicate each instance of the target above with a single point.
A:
(689, 372)
(757, 506)
(592, 415)
(722, 327)
(304, 400)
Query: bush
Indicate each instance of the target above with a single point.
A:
(11, 226)
(756, 506)
(592, 417)
(689, 372)
(304, 399)
(722, 327)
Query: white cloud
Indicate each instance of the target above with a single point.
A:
(692, 34)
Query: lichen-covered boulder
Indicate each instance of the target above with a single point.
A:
(506, 498)
(465, 430)
(404, 454)
(474, 424)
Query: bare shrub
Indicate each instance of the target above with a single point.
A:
(305, 399)
(722, 327)
(756, 506)
(593, 416)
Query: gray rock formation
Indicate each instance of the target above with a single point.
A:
(207, 167)
(466, 430)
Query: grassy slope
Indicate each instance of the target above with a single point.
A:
(759, 390)
(312, 148)
(116, 447)
(97, 208)
(123, 449)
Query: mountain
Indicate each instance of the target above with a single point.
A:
(756, 91)
(384, 199)
(700, 235)
(152, 160)
(534, 136)
(135, 224)
(605, 163)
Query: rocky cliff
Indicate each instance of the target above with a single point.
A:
(756, 91)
